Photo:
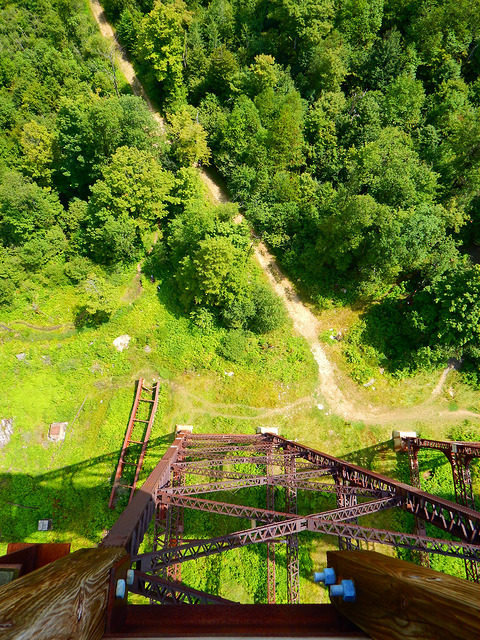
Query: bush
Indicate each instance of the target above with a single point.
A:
(7, 291)
(78, 268)
(234, 346)
(239, 313)
(203, 319)
(269, 310)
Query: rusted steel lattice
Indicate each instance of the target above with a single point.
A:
(223, 463)
(459, 455)
(136, 439)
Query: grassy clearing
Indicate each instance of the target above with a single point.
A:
(64, 370)
(70, 482)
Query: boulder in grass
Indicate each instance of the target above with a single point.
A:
(57, 431)
(21, 356)
(6, 430)
(121, 343)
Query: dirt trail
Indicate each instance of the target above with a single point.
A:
(125, 66)
(234, 410)
(304, 321)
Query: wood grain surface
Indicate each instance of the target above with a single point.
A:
(400, 600)
(65, 600)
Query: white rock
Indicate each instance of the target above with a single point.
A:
(21, 356)
(147, 348)
(121, 342)
(6, 430)
(320, 407)
(369, 383)
(228, 373)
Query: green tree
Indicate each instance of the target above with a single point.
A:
(37, 147)
(264, 73)
(447, 312)
(161, 42)
(42, 247)
(285, 136)
(222, 69)
(327, 66)
(360, 20)
(269, 311)
(90, 131)
(302, 23)
(133, 184)
(188, 138)
(25, 208)
(404, 98)
(215, 275)
(97, 302)
(390, 170)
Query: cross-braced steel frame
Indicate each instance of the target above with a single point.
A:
(230, 463)
(459, 455)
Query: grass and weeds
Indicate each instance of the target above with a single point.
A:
(78, 376)
(52, 372)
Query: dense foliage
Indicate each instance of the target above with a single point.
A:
(347, 130)
(87, 176)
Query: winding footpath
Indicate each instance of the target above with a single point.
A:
(304, 321)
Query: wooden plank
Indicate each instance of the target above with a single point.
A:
(396, 600)
(65, 599)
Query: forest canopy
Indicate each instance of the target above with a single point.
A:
(348, 131)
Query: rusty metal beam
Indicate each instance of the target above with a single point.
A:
(201, 548)
(207, 452)
(222, 508)
(129, 530)
(397, 539)
(158, 589)
(453, 518)
(248, 481)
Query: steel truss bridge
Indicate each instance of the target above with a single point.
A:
(200, 465)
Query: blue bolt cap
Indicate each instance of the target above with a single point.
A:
(345, 590)
(120, 589)
(327, 576)
(349, 593)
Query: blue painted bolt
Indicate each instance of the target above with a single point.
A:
(121, 589)
(327, 576)
(130, 577)
(345, 590)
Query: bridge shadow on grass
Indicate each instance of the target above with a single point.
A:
(74, 497)
(371, 457)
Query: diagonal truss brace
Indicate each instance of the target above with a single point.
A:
(248, 481)
(171, 592)
(200, 548)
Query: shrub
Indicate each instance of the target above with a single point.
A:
(234, 346)
(203, 319)
(78, 268)
(269, 310)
